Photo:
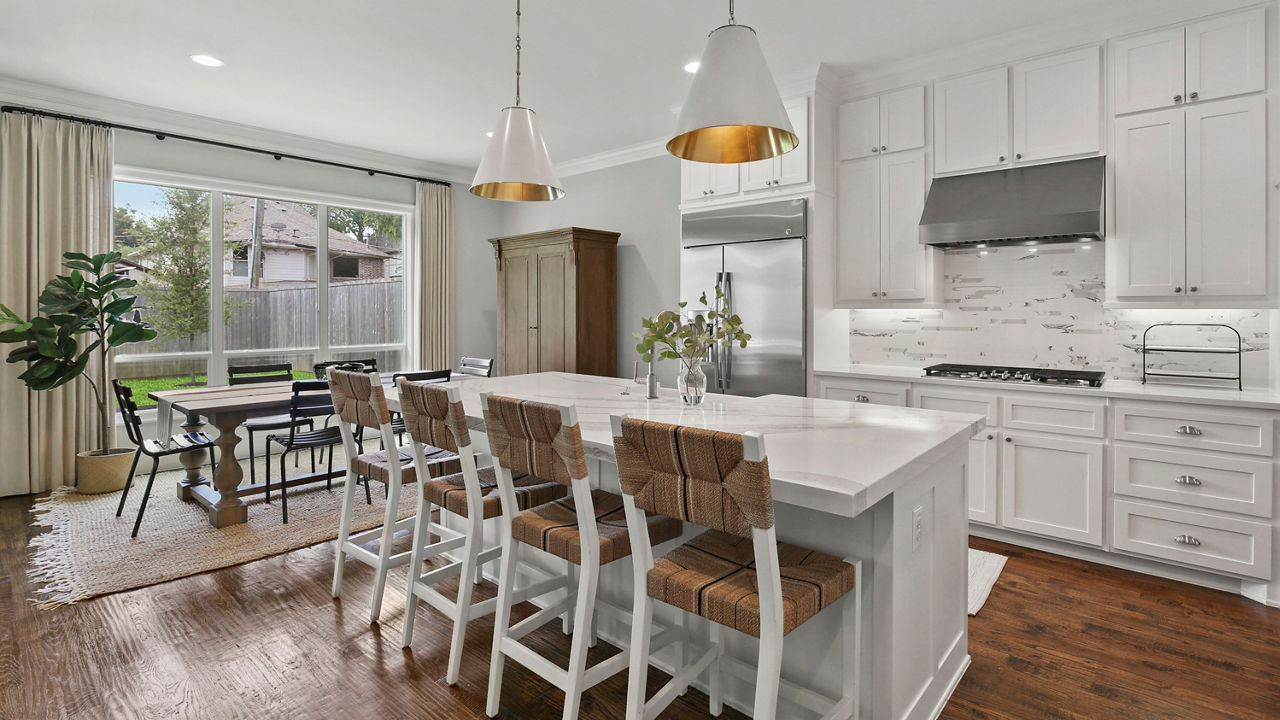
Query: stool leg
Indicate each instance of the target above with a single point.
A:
(687, 654)
(584, 611)
(344, 531)
(502, 618)
(129, 480)
(384, 547)
(768, 674)
(421, 538)
(470, 551)
(641, 619)
(566, 620)
(715, 681)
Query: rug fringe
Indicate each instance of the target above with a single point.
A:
(49, 568)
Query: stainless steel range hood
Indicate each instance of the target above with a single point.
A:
(1059, 202)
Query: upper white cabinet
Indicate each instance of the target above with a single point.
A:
(882, 124)
(1191, 206)
(1215, 58)
(1057, 106)
(879, 258)
(971, 121)
(729, 181)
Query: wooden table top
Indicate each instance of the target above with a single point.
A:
(251, 398)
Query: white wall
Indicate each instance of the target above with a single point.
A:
(639, 200)
(475, 220)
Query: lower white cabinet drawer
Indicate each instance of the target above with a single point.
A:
(1194, 426)
(1206, 540)
(865, 391)
(1086, 417)
(1201, 480)
(973, 402)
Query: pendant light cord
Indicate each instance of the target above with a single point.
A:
(731, 20)
(518, 52)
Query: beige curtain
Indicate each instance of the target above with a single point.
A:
(55, 196)
(435, 276)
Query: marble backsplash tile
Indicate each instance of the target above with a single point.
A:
(1045, 309)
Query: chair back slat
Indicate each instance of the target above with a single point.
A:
(531, 438)
(262, 373)
(431, 417)
(358, 398)
(430, 376)
(311, 398)
(365, 365)
(480, 367)
(694, 474)
(128, 411)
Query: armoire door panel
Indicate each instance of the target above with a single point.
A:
(552, 304)
(516, 318)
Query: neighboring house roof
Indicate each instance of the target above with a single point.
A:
(287, 225)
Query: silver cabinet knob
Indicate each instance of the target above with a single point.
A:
(1008, 439)
(704, 192)
(1001, 158)
(875, 294)
(990, 436)
(862, 399)
(1193, 288)
(884, 148)
(884, 293)
(1186, 539)
(1017, 156)
(1188, 480)
(1188, 430)
(875, 149)
(711, 192)
(1177, 99)
(1194, 96)
(1177, 289)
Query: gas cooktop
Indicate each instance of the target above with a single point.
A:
(1004, 373)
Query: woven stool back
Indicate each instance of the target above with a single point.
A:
(433, 415)
(358, 398)
(532, 438)
(694, 474)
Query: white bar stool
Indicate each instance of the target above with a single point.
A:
(736, 574)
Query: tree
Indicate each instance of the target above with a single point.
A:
(127, 228)
(174, 251)
(380, 230)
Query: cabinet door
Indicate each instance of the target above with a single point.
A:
(903, 259)
(858, 231)
(1052, 486)
(695, 180)
(554, 303)
(859, 128)
(902, 120)
(1149, 245)
(983, 476)
(1149, 71)
(793, 167)
(971, 121)
(1057, 106)
(1227, 198)
(760, 174)
(518, 286)
(723, 178)
(1227, 56)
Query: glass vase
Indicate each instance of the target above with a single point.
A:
(693, 382)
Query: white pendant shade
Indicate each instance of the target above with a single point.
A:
(733, 113)
(516, 166)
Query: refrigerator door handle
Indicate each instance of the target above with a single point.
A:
(726, 353)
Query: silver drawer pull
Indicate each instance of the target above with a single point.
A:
(1185, 539)
(1188, 430)
(1187, 480)
(862, 398)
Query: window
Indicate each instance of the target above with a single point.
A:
(282, 265)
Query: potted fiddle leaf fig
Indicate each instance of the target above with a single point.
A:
(82, 316)
(689, 336)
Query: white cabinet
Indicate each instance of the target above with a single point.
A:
(1190, 202)
(983, 477)
(1198, 479)
(882, 124)
(1052, 486)
(1215, 58)
(708, 181)
(879, 257)
(875, 392)
(1057, 106)
(971, 121)
(788, 169)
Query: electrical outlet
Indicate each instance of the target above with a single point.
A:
(917, 528)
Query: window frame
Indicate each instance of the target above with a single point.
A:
(217, 356)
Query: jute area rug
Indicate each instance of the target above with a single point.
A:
(86, 550)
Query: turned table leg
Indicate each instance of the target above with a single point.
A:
(192, 460)
(228, 508)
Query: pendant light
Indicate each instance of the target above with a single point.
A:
(516, 166)
(733, 113)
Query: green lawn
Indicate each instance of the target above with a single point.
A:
(143, 386)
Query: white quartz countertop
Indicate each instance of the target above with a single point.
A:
(1123, 389)
(828, 455)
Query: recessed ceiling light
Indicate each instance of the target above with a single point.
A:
(980, 245)
(206, 60)
(1033, 249)
(692, 66)
(489, 134)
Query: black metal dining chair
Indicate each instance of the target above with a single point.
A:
(310, 399)
(154, 449)
(265, 373)
(479, 367)
(366, 365)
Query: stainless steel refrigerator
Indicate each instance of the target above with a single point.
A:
(756, 254)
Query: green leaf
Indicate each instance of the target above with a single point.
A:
(80, 265)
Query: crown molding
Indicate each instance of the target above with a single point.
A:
(15, 91)
(610, 158)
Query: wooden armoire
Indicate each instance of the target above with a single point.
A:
(558, 302)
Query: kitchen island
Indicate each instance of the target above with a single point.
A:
(883, 485)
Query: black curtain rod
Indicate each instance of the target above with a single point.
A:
(162, 135)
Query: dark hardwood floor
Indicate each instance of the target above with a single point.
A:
(1059, 638)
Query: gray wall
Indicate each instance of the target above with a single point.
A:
(641, 201)
(475, 220)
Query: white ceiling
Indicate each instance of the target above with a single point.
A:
(426, 78)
